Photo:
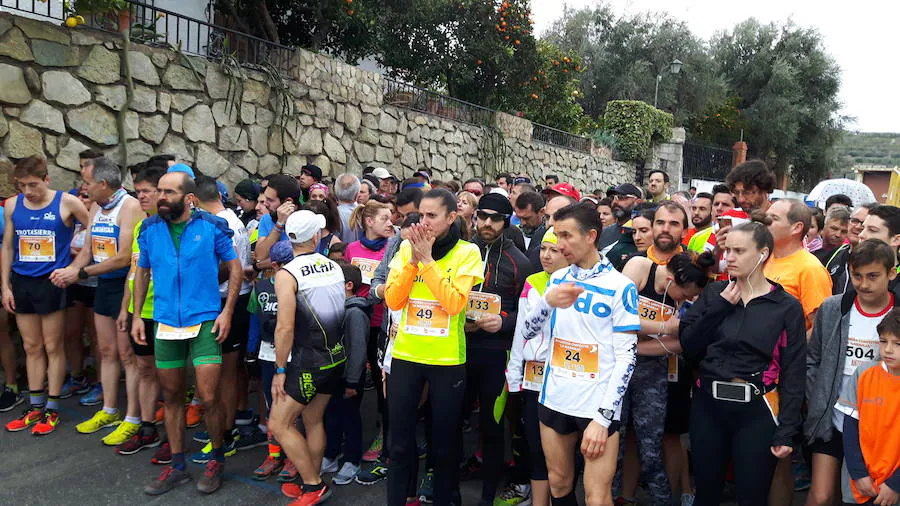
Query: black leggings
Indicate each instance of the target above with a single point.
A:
(486, 382)
(447, 386)
(533, 435)
(743, 432)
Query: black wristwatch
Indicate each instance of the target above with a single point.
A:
(82, 274)
(608, 414)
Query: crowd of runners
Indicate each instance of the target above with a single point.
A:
(692, 345)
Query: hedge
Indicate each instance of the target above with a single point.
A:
(636, 125)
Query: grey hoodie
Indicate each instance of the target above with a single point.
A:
(356, 335)
(825, 363)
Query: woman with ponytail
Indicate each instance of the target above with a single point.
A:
(661, 291)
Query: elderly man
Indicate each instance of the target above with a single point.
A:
(346, 188)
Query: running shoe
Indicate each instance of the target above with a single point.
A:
(329, 466)
(372, 476)
(292, 490)
(30, 416)
(417, 502)
(163, 456)
(160, 416)
(471, 470)
(251, 437)
(687, 499)
(122, 433)
(205, 455)
(47, 424)
(138, 442)
(307, 498)
(168, 479)
(201, 437)
(346, 475)
(193, 415)
(374, 451)
(212, 477)
(72, 387)
(514, 495)
(426, 487)
(269, 467)
(93, 397)
(9, 400)
(288, 472)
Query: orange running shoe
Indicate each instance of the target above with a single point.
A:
(30, 416)
(312, 498)
(47, 424)
(193, 415)
(291, 490)
(160, 416)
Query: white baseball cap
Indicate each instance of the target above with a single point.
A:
(382, 173)
(302, 225)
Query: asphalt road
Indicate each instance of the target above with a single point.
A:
(68, 468)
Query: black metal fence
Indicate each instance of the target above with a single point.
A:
(155, 26)
(550, 135)
(707, 162)
(419, 99)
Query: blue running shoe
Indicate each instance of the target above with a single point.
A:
(94, 396)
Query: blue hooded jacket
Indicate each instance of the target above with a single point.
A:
(186, 279)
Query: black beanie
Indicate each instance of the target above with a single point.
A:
(495, 202)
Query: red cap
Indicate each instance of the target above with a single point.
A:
(564, 189)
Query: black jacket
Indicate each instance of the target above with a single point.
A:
(836, 265)
(356, 337)
(533, 251)
(735, 341)
(505, 272)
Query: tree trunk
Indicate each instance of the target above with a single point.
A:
(268, 24)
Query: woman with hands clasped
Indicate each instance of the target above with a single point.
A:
(748, 337)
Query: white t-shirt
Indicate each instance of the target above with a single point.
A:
(592, 343)
(241, 241)
(862, 347)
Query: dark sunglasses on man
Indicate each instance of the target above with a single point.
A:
(495, 217)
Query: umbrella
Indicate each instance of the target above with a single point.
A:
(858, 192)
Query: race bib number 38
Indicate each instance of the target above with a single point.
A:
(426, 318)
(481, 303)
(653, 310)
(575, 360)
(37, 248)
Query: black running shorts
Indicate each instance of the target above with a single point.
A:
(37, 295)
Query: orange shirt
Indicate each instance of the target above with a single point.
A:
(803, 276)
(873, 398)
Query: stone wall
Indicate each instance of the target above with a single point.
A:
(61, 90)
(669, 156)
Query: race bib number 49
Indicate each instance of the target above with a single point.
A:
(575, 360)
(37, 248)
(426, 318)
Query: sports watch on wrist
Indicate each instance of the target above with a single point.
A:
(279, 370)
(608, 414)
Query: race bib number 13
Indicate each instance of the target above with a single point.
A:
(575, 360)
(534, 375)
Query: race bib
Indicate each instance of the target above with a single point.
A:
(37, 248)
(169, 333)
(859, 351)
(672, 369)
(653, 310)
(134, 259)
(482, 303)
(534, 375)
(367, 267)
(575, 360)
(103, 248)
(426, 318)
(266, 351)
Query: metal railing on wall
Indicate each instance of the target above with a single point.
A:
(408, 96)
(160, 27)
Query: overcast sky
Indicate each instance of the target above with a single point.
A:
(860, 36)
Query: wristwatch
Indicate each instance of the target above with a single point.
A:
(608, 414)
(279, 370)
(82, 274)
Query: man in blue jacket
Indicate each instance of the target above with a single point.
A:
(182, 249)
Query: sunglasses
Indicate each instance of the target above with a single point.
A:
(477, 193)
(495, 217)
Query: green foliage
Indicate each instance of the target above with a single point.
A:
(84, 7)
(605, 138)
(635, 125)
(721, 124)
(856, 148)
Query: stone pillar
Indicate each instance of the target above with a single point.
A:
(739, 153)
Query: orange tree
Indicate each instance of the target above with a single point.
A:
(481, 51)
